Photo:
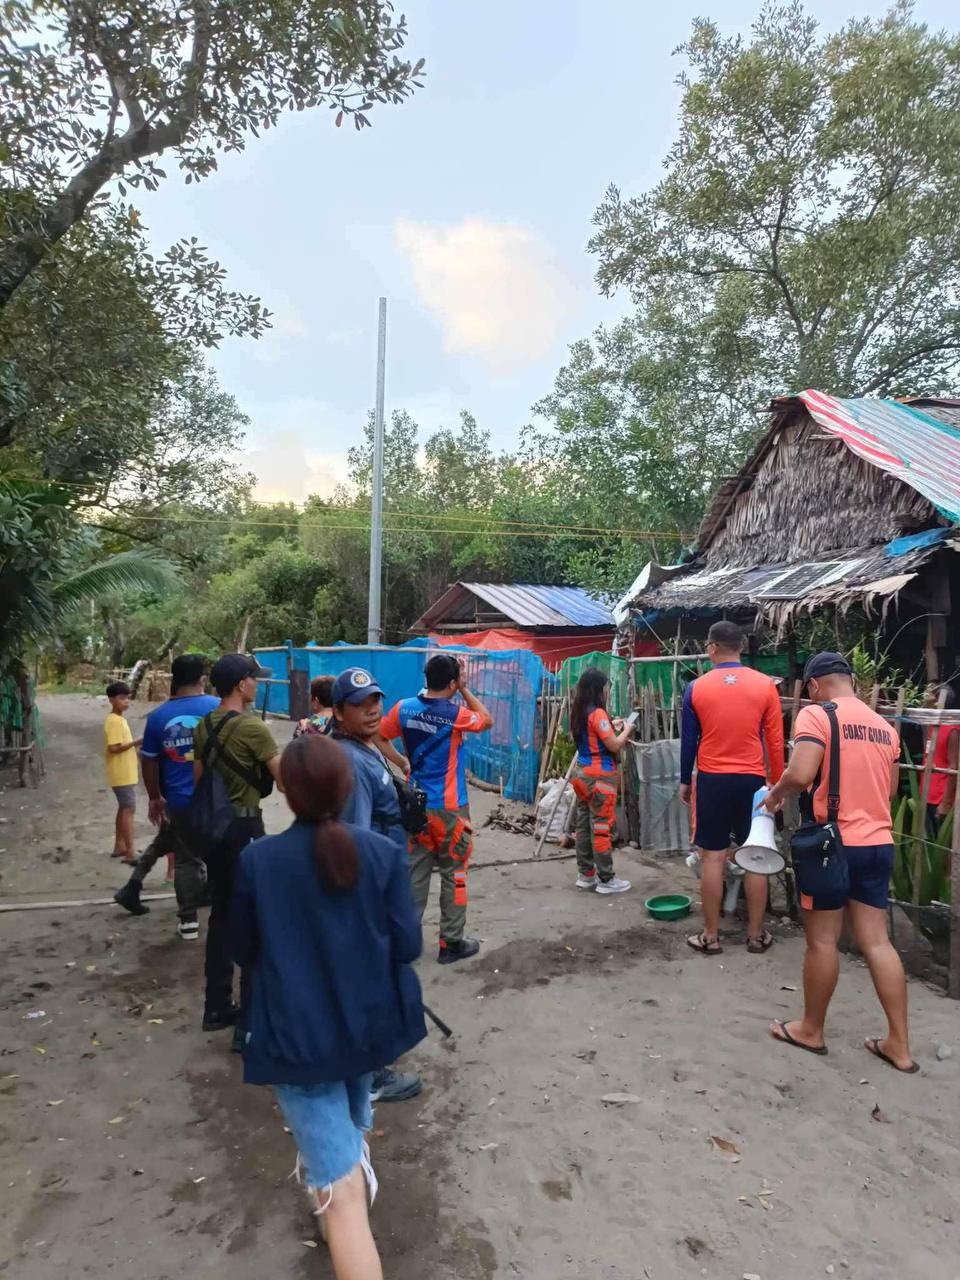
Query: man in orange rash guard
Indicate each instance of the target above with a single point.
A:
(729, 716)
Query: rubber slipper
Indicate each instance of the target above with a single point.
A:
(757, 946)
(700, 943)
(873, 1046)
(786, 1038)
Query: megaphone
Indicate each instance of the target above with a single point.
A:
(759, 854)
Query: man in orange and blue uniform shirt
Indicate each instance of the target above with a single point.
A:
(432, 726)
(729, 716)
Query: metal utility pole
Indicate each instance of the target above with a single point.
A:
(376, 500)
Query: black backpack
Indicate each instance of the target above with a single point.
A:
(211, 814)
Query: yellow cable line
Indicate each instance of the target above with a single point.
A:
(548, 531)
(418, 515)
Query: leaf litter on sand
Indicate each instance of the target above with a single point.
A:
(726, 1149)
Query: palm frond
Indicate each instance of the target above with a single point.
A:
(126, 571)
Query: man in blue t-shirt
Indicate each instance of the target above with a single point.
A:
(167, 758)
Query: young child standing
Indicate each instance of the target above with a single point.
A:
(120, 756)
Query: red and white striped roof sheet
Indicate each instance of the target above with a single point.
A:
(914, 446)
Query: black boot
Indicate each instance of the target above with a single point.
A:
(129, 898)
(451, 952)
(221, 1019)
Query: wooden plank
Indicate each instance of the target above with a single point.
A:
(674, 659)
(646, 812)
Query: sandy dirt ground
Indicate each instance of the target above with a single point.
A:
(130, 1149)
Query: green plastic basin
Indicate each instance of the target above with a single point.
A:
(669, 906)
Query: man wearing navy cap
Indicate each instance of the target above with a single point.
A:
(358, 710)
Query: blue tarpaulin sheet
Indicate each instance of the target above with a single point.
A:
(917, 541)
(508, 683)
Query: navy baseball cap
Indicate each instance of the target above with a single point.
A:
(229, 670)
(826, 664)
(353, 685)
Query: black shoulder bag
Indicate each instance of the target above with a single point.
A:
(210, 814)
(413, 805)
(819, 861)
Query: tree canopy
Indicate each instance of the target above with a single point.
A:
(808, 210)
(98, 92)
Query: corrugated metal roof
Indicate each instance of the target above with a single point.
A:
(902, 439)
(526, 604)
(533, 605)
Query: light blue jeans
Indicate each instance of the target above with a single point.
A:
(328, 1122)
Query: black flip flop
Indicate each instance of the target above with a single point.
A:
(873, 1046)
(786, 1038)
(699, 944)
(757, 946)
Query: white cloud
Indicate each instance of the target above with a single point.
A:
(286, 472)
(294, 449)
(497, 291)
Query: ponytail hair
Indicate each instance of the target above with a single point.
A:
(317, 781)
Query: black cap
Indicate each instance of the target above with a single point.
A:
(229, 670)
(826, 664)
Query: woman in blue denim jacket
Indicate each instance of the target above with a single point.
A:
(324, 916)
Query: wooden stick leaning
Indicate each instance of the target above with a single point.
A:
(556, 805)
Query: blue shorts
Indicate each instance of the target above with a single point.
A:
(328, 1122)
(870, 867)
(723, 808)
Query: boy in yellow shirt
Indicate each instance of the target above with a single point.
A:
(120, 756)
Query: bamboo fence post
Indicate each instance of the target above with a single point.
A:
(551, 748)
(646, 808)
(920, 825)
(789, 877)
(795, 707)
(548, 744)
(953, 971)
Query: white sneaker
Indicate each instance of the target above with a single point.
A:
(616, 885)
(586, 882)
(189, 930)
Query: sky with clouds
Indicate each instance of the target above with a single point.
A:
(469, 208)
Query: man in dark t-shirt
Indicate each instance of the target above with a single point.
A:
(248, 742)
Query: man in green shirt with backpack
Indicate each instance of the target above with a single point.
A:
(234, 743)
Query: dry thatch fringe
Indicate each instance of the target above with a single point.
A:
(809, 495)
(781, 615)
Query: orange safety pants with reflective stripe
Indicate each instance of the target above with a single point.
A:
(446, 843)
(596, 815)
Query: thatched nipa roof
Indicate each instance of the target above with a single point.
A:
(814, 511)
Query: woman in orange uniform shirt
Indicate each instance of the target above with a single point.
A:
(595, 782)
